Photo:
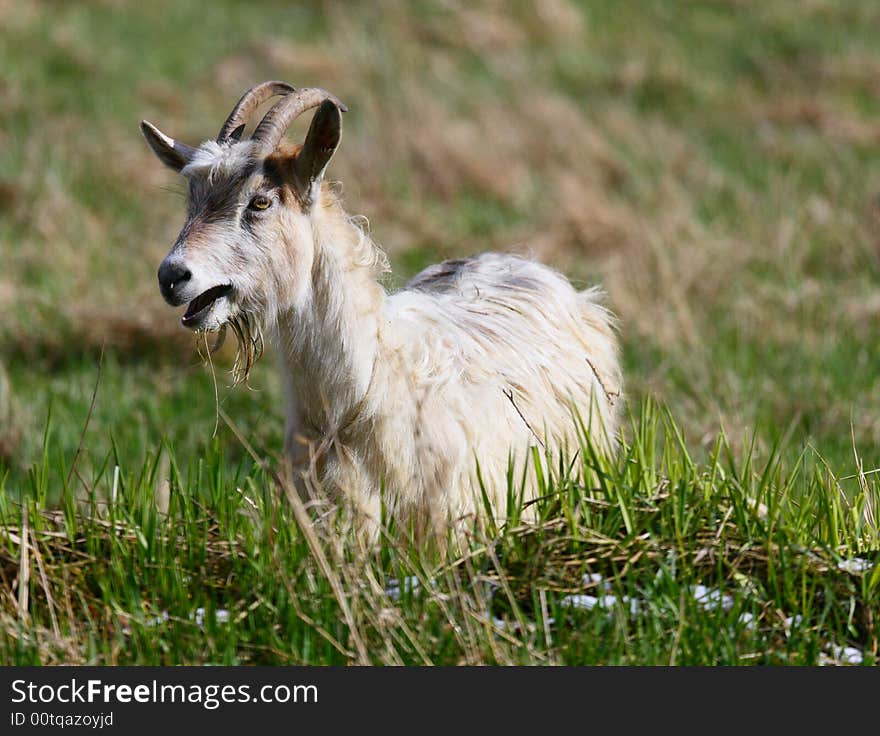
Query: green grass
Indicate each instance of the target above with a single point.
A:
(226, 574)
(712, 164)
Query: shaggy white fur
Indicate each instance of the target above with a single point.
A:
(416, 399)
(470, 365)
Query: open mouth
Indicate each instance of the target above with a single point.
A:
(200, 306)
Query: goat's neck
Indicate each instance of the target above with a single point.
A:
(329, 344)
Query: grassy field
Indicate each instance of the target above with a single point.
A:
(712, 164)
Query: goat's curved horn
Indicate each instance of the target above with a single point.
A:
(249, 102)
(274, 125)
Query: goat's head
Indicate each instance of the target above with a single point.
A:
(246, 248)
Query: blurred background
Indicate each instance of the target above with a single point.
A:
(713, 164)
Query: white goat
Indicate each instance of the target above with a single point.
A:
(416, 399)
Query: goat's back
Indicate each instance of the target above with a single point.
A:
(501, 353)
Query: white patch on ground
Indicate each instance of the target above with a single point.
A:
(580, 600)
(707, 599)
(791, 622)
(395, 588)
(589, 602)
(855, 565)
(221, 616)
(595, 578)
(158, 620)
(835, 654)
(710, 599)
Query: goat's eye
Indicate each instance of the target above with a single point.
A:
(260, 202)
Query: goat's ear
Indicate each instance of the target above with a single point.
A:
(320, 144)
(174, 154)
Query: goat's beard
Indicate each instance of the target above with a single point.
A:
(249, 337)
(249, 344)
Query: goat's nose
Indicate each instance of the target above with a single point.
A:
(172, 275)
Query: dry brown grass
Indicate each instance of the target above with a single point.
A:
(522, 145)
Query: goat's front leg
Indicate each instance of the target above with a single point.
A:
(324, 471)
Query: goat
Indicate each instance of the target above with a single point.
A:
(421, 399)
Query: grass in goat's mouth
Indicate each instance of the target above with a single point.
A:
(203, 301)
